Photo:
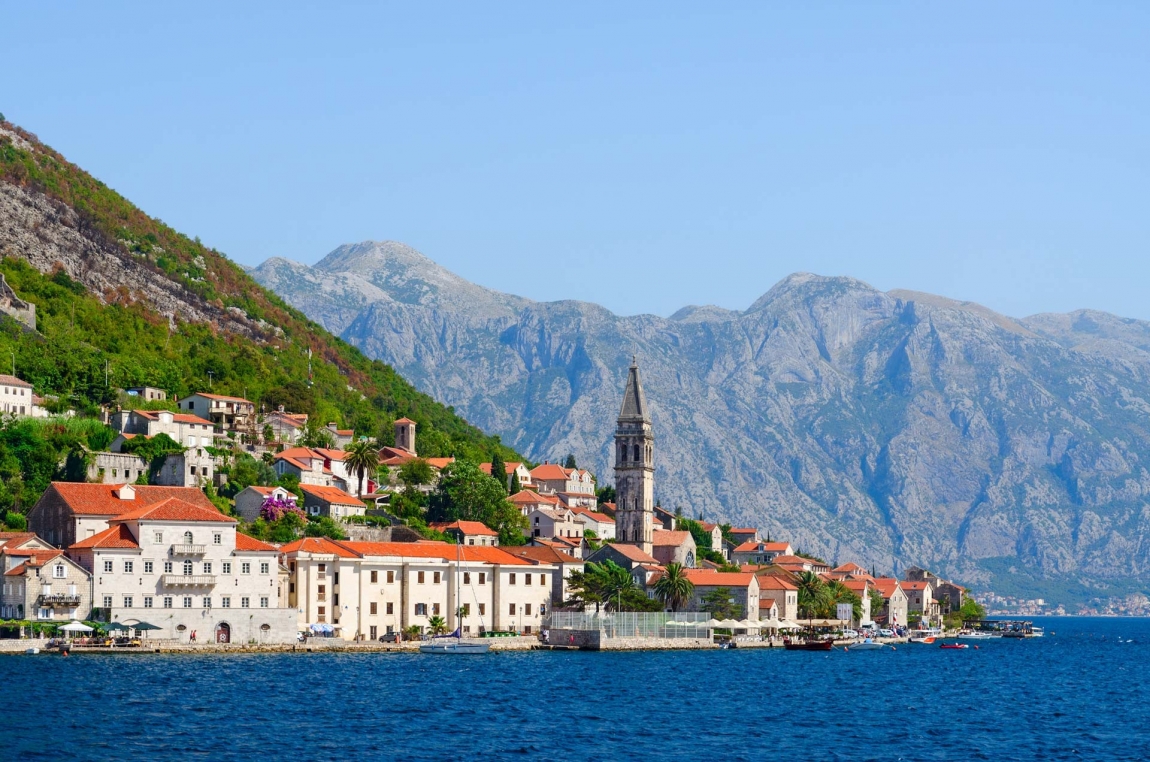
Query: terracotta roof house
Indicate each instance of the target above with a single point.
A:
(44, 585)
(627, 556)
(564, 563)
(469, 532)
(511, 469)
(673, 547)
(71, 511)
(330, 501)
(744, 588)
(759, 552)
(782, 591)
(250, 500)
(600, 523)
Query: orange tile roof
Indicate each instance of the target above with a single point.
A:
(35, 558)
(602, 518)
(633, 553)
(244, 542)
(405, 420)
(669, 538)
(857, 585)
(543, 553)
(319, 545)
(908, 585)
(440, 463)
(530, 497)
(467, 527)
(886, 586)
(173, 509)
(771, 582)
(752, 546)
(440, 550)
(712, 578)
(849, 568)
(508, 467)
(100, 500)
(118, 536)
(549, 472)
(12, 539)
(154, 415)
(330, 495)
(13, 381)
(223, 397)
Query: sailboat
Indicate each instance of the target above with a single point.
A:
(453, 642)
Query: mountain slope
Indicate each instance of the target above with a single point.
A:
(129, 301)
(895, 428)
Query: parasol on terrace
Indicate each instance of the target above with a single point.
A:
(115, 627)
(713, 623)
(75, 626)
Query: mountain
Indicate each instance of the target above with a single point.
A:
(891, 428)
(124, 300)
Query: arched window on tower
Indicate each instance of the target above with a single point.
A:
(636, 450)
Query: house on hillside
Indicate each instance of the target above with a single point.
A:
(147, 393)
(513, 469)
(332, 502)
(574, 487)
(250, 500)
(15, 396)
(627, 556)
(341, 437)
(226, 413)
(744, 534)
(674, 547)
(601, 524)
(553, 522)
(469, 532)
(286, 427)
(759, 552)
(185, 429)
(527, 501)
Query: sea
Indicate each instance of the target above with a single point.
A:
(1081, 693)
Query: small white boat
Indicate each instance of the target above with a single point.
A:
(866, 645)
(32, 651)
(976, 636)
(454, 647)
(1037, 632)
(928, 639)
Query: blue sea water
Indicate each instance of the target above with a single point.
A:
(1081, 693)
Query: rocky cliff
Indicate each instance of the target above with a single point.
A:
(892, 428)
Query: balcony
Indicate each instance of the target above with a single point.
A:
(58, 600)
(188, 549)
(189, 580)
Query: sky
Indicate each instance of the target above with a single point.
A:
(644, 156)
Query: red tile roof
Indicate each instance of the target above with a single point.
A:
(223, 397)
(508, 467)
(602, 518)
(101, 500)
(244, 542)
(440, 550)
(712, 578)
(319, 545)
(753, 546)
(549, 472)
(669, 538)
(405, 420)
(544, 554)
(175, 510)
(330, 495)
(886, 586)
(530, 497)
(771, 582)
(154, 415)
(466, 527)
(118, 536)
(13, 381)
(908, 585)
(632, 553)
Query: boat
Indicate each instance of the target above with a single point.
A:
(866, 645)
(32, 651)
(954, 645)
(453, 645)
(928, 639)
(976, 636)
(1037, 632)
(810, 645)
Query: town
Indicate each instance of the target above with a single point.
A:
(330, 538)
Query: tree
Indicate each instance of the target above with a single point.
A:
(971, 609)
(466, 493)
(719, 603)
(838, 593)
(601, 583)
(674, 589)
(570, 462)
(516, 487)
(437, 625)
(315, 435)
(814, 598)
(876, 602)
(324, 526)
(362, 457)
(268, 433)
(416, 473)
(605, 495)
(499, 471)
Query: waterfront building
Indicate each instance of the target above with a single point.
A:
(743, 587)
(363, 590)
(40, 583)
(920, 600)
(894, 609)
(71, 511)
(635, 467)
(783, 591)
(564, 564)
(184, 568)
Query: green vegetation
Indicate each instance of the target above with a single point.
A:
(466, 493)
(720, 604)
(673, 588)
(610, 586)
(36, 451)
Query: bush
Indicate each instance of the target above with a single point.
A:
(15, 522)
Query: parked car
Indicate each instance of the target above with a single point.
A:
(886, 633)
(850, 634)
(390, 637)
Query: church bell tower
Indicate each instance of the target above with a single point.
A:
(635, 467)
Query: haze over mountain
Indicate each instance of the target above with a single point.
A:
(894, 428)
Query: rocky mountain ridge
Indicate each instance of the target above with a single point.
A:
(891, 428)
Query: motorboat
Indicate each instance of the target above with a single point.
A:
(1037, 632)
(454, 647)
(809, 645)
(867, 645)
(954, 646)
(977, 636)
(32, 651)
(928, 639)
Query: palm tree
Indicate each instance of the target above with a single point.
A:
(362, 457)
(673, 588)
(838, 593)
(437, 625)
(813, 594)
(605, 583)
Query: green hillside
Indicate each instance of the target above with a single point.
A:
(86, 347)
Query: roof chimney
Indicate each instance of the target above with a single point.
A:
(125, 492)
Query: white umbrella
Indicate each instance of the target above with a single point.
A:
(729, 623)
(787, 624)
(750, 625)
(76, 627)
(713, 623)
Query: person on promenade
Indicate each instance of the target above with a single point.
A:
(193, 636)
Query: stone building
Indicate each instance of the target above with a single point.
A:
(15, 396)
(635, 467)
(43, 585)
(12, 305)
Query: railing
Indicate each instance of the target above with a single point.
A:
(59, 599)
(188, 549)
(189, 580)
(630, 624)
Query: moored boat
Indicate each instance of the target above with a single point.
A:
(976, 636)
(454, 647)
(954, 646)
(928, 639)
(866, 645)
(809, 645)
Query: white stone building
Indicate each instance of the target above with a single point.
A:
(15, 396)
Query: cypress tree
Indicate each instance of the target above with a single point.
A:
(499, 471)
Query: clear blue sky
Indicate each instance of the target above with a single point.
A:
(992, 152)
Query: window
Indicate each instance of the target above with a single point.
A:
(527, 578)
(527, 609)
(483, 578)
(207, 601)
(335, 578)
(149, 567)
(187, 568)
(482, 609)
(217, 539)
(226, 602)
(435, 578)
(390, 608)
(167, 567)
(512, 578)
(167, 601)
(187, 601)
(374, 579)
(147, 601)
(390, 577)
(467, 578)
(245, 568)
(470, 540)
(542, 579)
(58, 571)
(467, 609)
(421, 609)
(108, 566)
(419, 578)
(127, 601)
(322, 593)
(511, 609)
(291, 587)
(263, 602)
(107, 601)
(435, 609)
(245, 602)
(207, 567)
(227, 567)
(335, 600)
(264, 568)
(188, 535)
(372, 632)
(322, 615)
(323, 568)
(374, 608)
(159, 538)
